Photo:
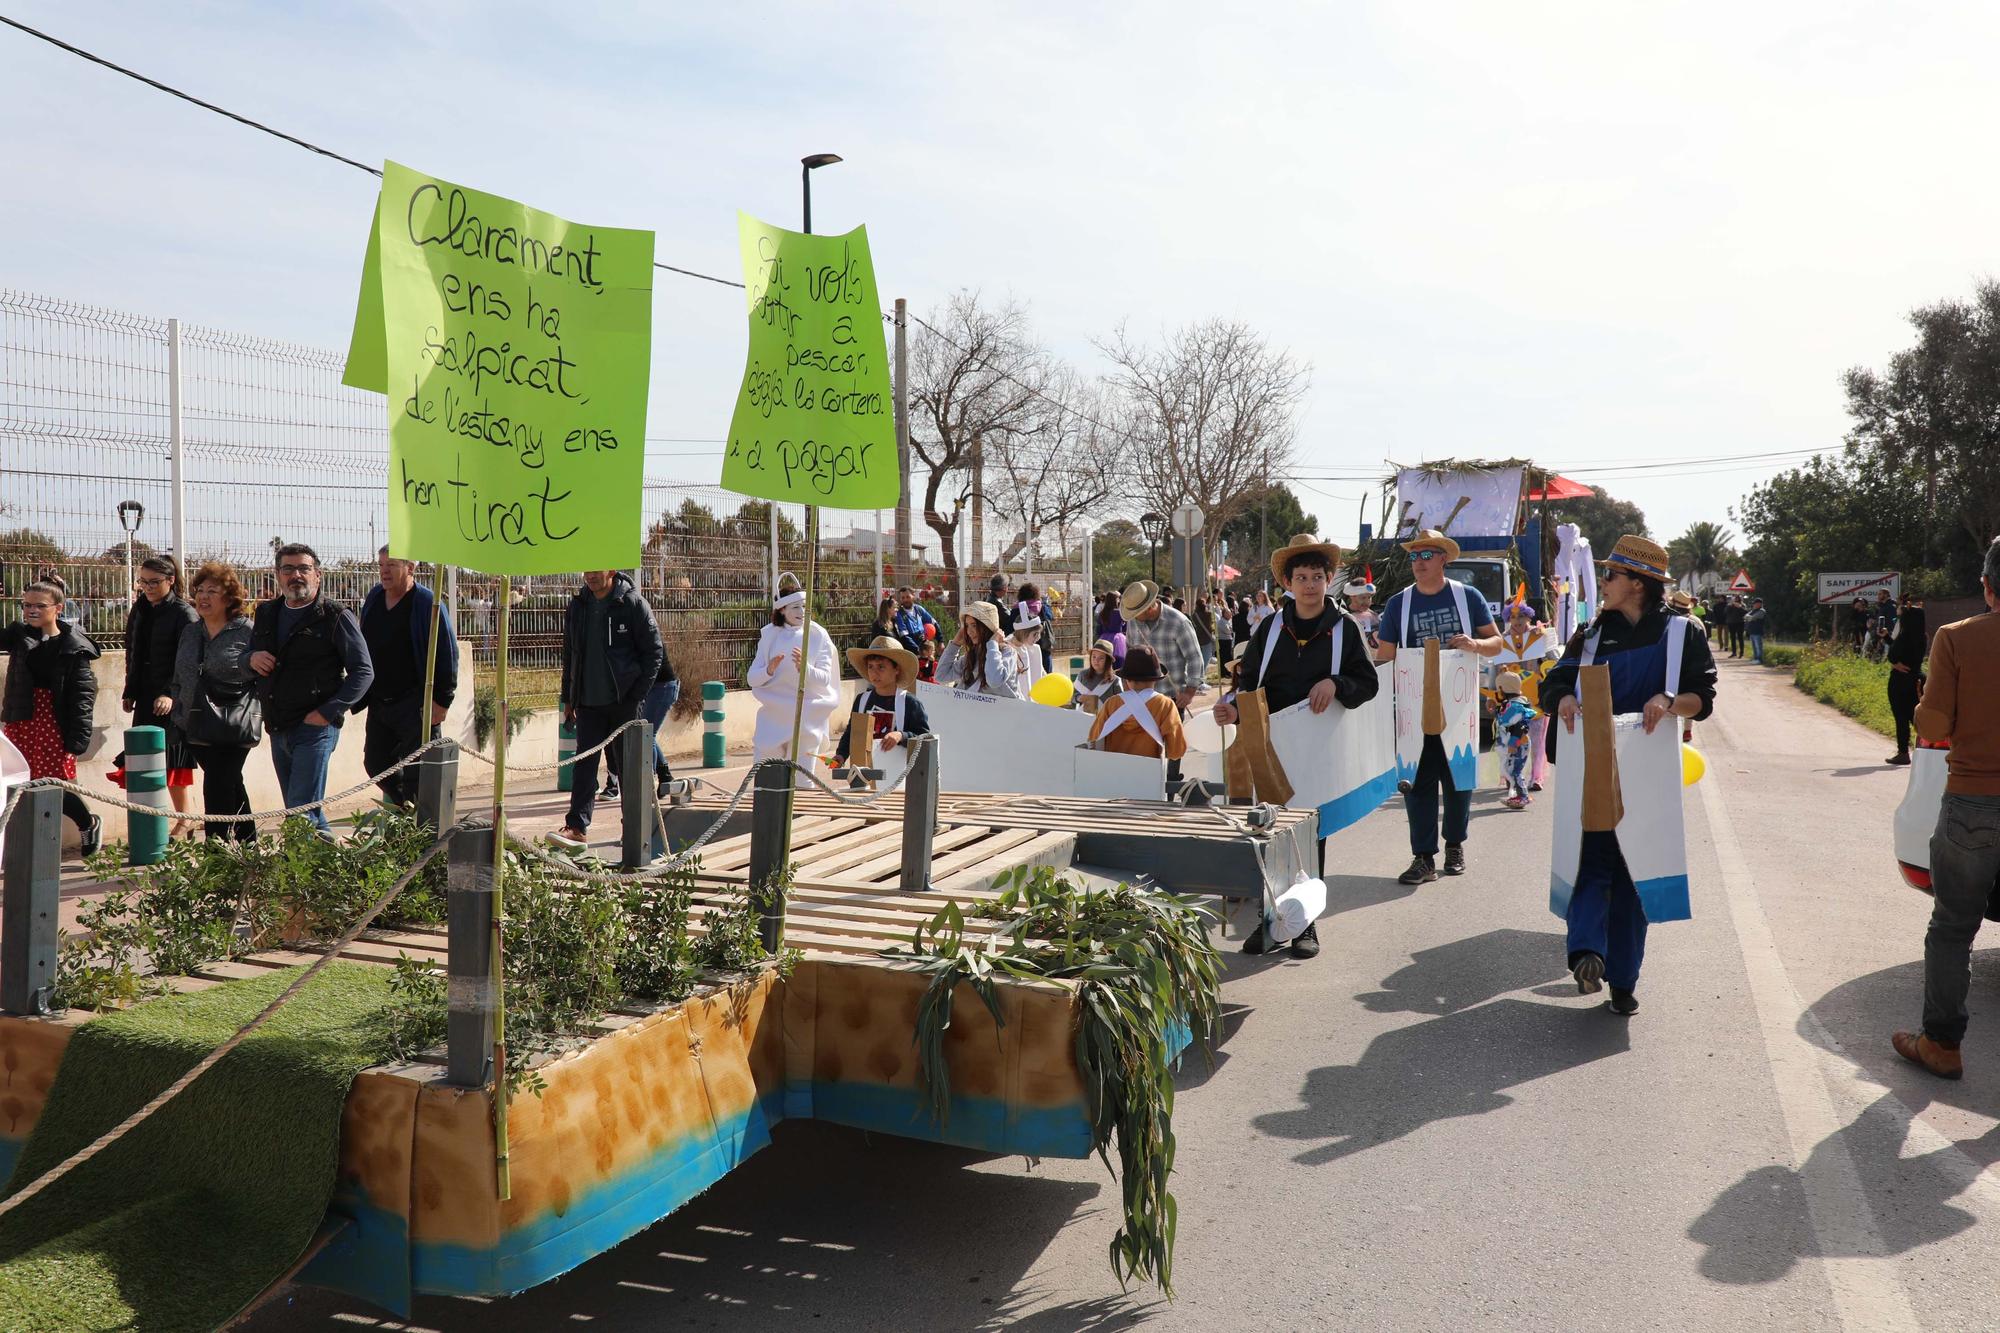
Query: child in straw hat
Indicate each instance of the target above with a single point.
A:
(891, 672)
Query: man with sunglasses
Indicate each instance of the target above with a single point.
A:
(314, 666)
(1456, 615)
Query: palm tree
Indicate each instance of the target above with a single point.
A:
(1703, 549)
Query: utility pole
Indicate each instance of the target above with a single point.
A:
(904, 558)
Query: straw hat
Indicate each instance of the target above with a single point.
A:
(1299, 545)
(1430, 539)
(884, 646)
(1637, 555)
(1680, 601)
(1105, 646)
(1138, 596)
(1141, 665)
(986, 614)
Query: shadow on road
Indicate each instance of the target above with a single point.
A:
(1197, 1068)
(1759, 1228)
(1456, 1065)
(828, 1228)
(1471, 971)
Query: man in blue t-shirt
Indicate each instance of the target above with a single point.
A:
(1455, 615)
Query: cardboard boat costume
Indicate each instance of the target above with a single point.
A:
(1619, 860)
(875, 715)
(777, 691)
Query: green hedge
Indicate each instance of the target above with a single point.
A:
(1854, 685)
(1785, 656)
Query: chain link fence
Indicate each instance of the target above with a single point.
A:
(274, 449)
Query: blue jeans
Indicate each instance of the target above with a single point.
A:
(300, 756)
(1605, 916)
(1757, 648)
(1965, 871)
(660, 701)
(1421, 804)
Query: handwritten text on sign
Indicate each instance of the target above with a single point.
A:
(514, 348)
(813, 423)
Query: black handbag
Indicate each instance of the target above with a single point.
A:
(222, 714)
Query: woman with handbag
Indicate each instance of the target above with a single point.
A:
(46, 709)
(214, 704)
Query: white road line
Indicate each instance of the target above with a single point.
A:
(1867, 1290)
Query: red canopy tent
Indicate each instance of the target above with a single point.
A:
(1559, 488)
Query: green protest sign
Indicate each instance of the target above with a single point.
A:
(814, 421)
(515, 350)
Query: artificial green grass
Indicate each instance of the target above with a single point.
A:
(1854, 685)
(186, 1219)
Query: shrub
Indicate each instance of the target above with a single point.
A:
(1785, 656)
(1853, 684)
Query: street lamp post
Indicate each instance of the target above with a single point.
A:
(138, 516)
(1155, 527)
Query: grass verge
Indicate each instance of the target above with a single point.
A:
(1854, 685)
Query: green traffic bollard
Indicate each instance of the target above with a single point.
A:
(146, 784)
(714, 746)
(565, 753)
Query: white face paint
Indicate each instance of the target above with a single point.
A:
(795, 614)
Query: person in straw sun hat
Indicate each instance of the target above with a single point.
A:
(1660, 665)
(895, 714)
(1151, 623)
(1435, 607)
(1311, 651)
(979, 658)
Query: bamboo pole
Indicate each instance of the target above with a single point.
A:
(430, 659)
(503, 1175)
(799, 706)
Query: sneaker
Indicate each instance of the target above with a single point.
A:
(569, 838)
(1258, 941)
(1422, 871)
(1589, 974)
(1899, 758)
(1305, 944)
(1534, 786)
(1403, 788)
(1454, 858)
(93, 836)
(661, 778)
(610, 792)
(1516, 802)
(1624, 1003)
(1935, 1056)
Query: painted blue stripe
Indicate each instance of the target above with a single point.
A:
(370, 1257)
(597, 1219)
(986, 1123)
(1341, 811)
(1463, 763)
(1664, 898)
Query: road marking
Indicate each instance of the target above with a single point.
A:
(1867, 1291)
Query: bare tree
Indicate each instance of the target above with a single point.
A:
(977, 376)
(1047, 479)
(1212, 410)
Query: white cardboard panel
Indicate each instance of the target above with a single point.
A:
(1460, 691)
(1652, 835)
(1112, 776)
(1003, 745)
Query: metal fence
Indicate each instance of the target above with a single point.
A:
(99, 407)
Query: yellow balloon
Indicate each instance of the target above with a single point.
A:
(1692, 765)
(1055, 691)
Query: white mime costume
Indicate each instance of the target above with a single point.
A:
(777, 691)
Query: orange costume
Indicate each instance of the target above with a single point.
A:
(1122, 726)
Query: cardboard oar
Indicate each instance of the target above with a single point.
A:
(1603, 802)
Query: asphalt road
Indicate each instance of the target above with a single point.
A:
(1426, 1128)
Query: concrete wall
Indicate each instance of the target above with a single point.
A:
(536, 744)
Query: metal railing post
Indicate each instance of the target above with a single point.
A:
(641, 837)
(28, 925)
(437, 786)
(472, 1002)
(920, 802)
(770, 847)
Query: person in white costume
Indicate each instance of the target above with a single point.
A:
(782, 653)
(1578, 599)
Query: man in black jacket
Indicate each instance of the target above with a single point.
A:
(396, 623)
(1290, 657)
(612, 653)
(314, 667)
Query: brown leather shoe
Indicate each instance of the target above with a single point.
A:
(1918, 1049)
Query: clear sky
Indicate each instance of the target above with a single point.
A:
(1591, 235)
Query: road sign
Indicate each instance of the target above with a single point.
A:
(1840, 588)
(1187, 521)
(1742, 583)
